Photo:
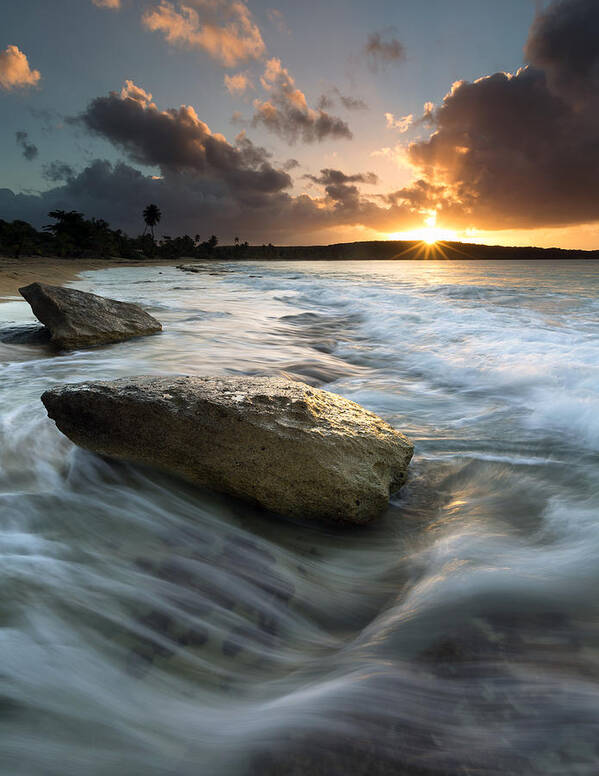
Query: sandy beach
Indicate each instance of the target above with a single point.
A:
(15, 273)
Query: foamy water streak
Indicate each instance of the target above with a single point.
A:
(148, 627)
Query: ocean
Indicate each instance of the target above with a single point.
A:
(148, 627)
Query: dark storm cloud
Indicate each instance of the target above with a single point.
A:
(28, 149)
(176, 141)
(383, 49)
(563, 42)
(521, 150)
(286, 112)
(192, 204)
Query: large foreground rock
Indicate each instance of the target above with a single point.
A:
(292, 448)
(77, 319)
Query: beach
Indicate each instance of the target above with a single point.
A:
(15, 273)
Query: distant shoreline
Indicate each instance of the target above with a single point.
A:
(386, 250)
(15, 273)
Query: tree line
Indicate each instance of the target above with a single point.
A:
(71, 235)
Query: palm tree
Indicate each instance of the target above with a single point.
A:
(152, 216)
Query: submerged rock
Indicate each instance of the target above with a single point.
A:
(77, 319)
(293, 449)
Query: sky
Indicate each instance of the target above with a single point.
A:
(286, 122)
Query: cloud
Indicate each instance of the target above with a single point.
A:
(48, 119)
(15, 72)
(325, 102)
(114, 4)
(29, 150)
(238, 119)
(276, 17)
(238, 84)
(222, 28)
(176, 140)
(428, 113)
(563, 43)
(286, 112)
(399, 154)
(521, 150)
(328, 100)
(205, 184)
(194, 204)
(352, 103)
(330, 177)
(57, 171)
(382, 49)
(403, 123)
(340, 190)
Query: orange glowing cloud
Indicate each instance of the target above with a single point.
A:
(403, 123)
(225, 30)
(238, 83)
(114, 4)
(15, 72)
(287, 114)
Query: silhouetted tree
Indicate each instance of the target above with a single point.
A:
(152, 216)
(17, 237)
(73, 234)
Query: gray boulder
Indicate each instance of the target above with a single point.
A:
(77, 319)
(291, 448)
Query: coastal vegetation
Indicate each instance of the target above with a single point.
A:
(72, 236)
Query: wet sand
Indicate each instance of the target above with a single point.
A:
(15, 273)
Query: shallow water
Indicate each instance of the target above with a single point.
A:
(150, 628)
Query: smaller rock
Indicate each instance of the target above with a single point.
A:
(78, 319)
(25, 335)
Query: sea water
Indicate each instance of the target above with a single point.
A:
(148, 627)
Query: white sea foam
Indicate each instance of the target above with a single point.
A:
(147, 627)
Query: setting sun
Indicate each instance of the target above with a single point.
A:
(428, 234)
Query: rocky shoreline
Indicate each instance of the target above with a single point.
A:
(293, 449)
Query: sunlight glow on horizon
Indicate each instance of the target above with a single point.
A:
(429, 233)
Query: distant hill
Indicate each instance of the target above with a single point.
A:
(399, 250)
